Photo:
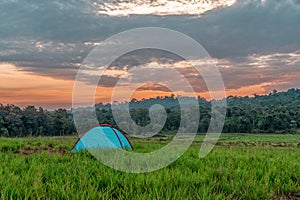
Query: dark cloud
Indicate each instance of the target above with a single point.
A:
(66, 71)
(248, 27)
(154, 87)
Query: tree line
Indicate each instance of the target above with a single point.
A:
(277, 112)
(32, 121)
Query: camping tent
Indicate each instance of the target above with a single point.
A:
(104, 136)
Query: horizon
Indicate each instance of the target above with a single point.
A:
(154, 97)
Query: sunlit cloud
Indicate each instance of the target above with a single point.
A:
(256, 74)
(277, 70)
(158, 7)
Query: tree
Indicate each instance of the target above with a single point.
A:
(3, 129)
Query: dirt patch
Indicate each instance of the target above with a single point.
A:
(256, 144)
(48, 150)
(290, 196)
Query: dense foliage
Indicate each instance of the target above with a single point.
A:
(30, 121)
(278, 112)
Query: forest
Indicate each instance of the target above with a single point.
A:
(277, 112)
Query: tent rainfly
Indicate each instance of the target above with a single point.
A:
(104, 136)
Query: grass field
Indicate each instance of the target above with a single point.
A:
(241, 166)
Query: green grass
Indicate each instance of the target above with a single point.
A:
(43, 168)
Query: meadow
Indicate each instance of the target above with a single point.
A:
(241, 166)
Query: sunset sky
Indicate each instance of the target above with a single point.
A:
(254, 43)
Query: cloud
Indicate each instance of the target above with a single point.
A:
(254, 42)
(158, 7)
(278, 70)
(47, 58)
(244, 28)
(248, 27)
(154, 87)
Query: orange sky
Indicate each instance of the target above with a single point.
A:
(24, 88)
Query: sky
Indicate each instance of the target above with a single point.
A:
(254, 43)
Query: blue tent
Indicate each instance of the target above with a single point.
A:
(104, 136)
